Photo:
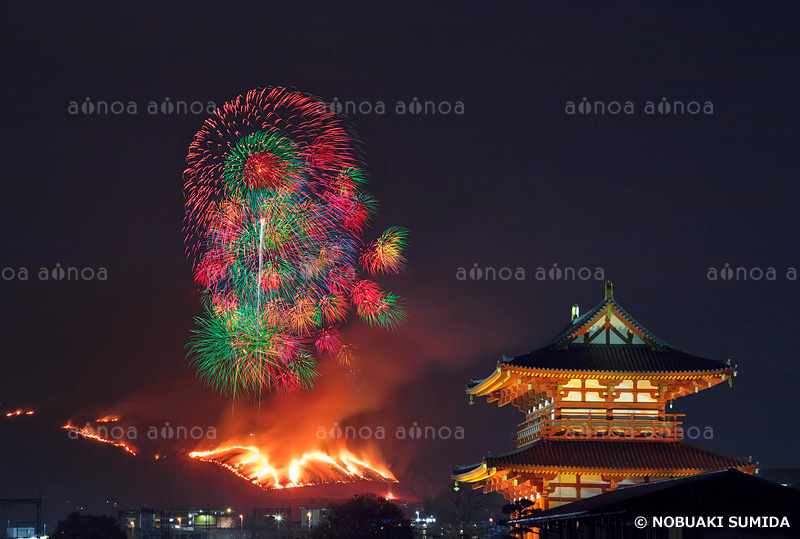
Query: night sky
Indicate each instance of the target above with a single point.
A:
(655, 200)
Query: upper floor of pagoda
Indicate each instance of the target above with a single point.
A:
(603, 358)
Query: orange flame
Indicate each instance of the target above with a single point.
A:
(19, 412)
(312, 468)
(87, 433)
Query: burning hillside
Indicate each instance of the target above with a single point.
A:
(311, 468)
(283, 445)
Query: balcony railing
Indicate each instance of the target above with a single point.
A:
(664, 427)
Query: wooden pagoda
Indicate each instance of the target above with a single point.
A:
(594, 400)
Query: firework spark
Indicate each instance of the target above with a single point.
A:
(385, 254)
(276, 207)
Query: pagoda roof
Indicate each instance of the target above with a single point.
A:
(585, 321)
(608, 339)
(649, 458)
(616, 358)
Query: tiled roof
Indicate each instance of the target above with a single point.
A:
(617, 358)
(717, 492)
(604, 454)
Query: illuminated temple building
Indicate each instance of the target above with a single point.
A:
(594, 400)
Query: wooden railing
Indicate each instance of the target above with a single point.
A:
(664, 427)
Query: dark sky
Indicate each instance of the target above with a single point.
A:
(654, 200)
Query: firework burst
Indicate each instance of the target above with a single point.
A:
(276, 209)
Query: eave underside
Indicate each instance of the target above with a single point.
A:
(606, 457)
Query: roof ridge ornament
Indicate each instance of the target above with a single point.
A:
(609, 291)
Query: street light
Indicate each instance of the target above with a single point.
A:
(241, 525)
(179, 526)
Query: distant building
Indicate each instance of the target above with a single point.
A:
(148, 523)
(20, 530)
(24, 529)
(311, 517)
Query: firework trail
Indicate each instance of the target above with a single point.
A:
(276, 209)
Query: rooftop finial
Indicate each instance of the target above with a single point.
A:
(609, 290)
